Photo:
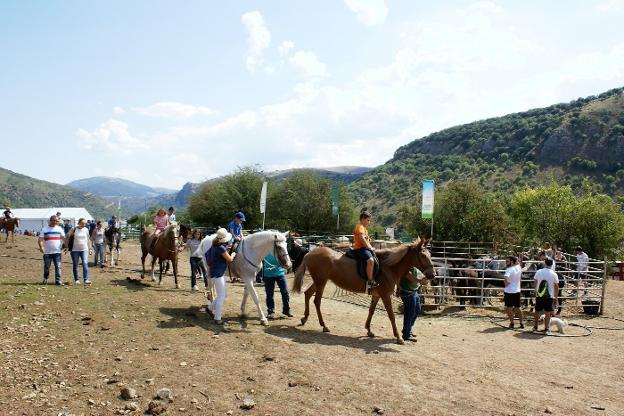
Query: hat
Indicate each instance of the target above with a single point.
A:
(240, 215)
(223, 236)
(298, 242)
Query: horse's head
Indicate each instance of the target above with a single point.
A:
(281, 249)
(185, 232)
(422, 258)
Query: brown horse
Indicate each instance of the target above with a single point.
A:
(9, 225)
(325, 264)
(163, 247)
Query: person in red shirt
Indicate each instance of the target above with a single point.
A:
(363, 248)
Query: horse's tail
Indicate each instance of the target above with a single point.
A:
(299, 275)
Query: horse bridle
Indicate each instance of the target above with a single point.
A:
(275, 254)
(175, 241)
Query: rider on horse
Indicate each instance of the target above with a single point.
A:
(160, 221)
(8, 214)
(363, 248)
(236, 229)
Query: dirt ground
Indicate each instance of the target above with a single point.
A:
(70, 350)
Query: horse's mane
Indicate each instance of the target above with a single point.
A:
(280, 236)
(393, 255)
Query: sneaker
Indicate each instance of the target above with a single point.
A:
(45, 281)
(76, 282)
(521, 326)
(288, 314)
(535, 328)
(87, 282)
(511, 325)
(219, 322)
(547, 332)
(59, 283)
(194, 288)
(372, 283)
(271, 316)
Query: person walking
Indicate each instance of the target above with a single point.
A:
(81, 249)
(273, 273)
(220, 259)
(546, 291)
(51, 243)
(582, 267)
(512, 280)
(195, 255)
(99, 245)
(407, 290)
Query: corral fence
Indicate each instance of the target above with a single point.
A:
(471, 273)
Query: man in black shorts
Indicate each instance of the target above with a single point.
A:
(513, 277)
(546, 291)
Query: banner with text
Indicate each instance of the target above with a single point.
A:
(427, 199)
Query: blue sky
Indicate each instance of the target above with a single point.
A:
(168, 92)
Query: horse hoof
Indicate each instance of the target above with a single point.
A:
(400, 341)
(178, 286)
(243, 316)
(325, 329)
(370, 334)
(303, 321)
(264, 322)
(160, 283)
(153, 279)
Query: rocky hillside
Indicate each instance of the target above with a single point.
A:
(116, 187)
(21, 191)
(564, 142)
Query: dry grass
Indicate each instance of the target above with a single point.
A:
(55, 359)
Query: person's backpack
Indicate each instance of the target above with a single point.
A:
(542, 290)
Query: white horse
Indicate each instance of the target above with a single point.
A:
(248, 261)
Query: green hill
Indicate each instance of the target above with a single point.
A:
(564, 142)
(21, 191)
(116, 187)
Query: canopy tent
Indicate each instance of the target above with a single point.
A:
(36, 218)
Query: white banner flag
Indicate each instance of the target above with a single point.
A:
(263, 195)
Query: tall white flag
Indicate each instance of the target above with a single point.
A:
(263, 195)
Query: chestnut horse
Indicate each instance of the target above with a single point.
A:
(163, 247)
(9, 225)
(325, 264)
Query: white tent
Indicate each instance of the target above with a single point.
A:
(36, 218)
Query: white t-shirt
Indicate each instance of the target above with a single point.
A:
(513, 275)
(549, 276)
(52, 239)
(582, 260)
(171, 218)
(81, 239)
(98, 235)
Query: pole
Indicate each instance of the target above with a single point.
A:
(432, 227)
(263, 218)
(604, 286)
(338, 221)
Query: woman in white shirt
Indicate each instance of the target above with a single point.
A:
(81, 248)
(97, 236)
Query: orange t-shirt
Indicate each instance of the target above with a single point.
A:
(359, 229)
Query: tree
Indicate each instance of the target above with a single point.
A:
(217, 201)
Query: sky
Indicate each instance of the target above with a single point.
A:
(163, 92)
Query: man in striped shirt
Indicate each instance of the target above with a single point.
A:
(51, 243)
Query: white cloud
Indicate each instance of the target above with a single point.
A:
(308, 65)
(286, 47)
(118, 110)
(259, 38)
(369, 12)
(113, 136)
(611, 6)
(174, 110)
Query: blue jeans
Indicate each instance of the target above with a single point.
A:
(84, 257)
(269, 286)
(99, 251)
(197, 266)
(49, 258)
(411, 305)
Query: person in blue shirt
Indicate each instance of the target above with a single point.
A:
(274, 273)
(113, 221)
(218, 266)
(236, 227)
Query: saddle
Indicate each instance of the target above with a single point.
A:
(361, 265)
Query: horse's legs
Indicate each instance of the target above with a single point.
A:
(317, 302)
(249, 285)
(175, 273)
(161, 266)
(387, 302)
(308, 294)
(244, 301)
(371, 311)
(143, 255)
(153, 262)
